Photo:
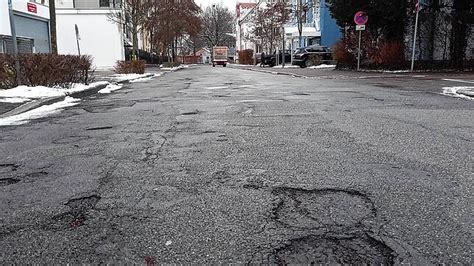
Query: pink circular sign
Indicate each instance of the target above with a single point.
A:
(361, 18)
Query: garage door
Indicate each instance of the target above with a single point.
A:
(37, 30)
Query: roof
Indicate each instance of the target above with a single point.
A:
(247, 5)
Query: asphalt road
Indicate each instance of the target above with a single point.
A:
(221, 165)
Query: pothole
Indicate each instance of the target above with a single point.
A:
(83, 203)
(76, 216)
(99, 128)
(359, 250)
(329, 208)
(191, 113)
(71, 139)
(8, 181)
(36, 174)
(8, 167)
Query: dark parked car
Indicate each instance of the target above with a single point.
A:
(271, 58)
(302, 56)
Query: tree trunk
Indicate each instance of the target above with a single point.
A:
(459, 31)
(52, 26)
(135, 42)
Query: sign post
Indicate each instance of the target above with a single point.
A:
(418, 7)
(360, 20)
(15, 42)
(78, 37)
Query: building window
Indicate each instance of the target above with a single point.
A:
(104, 3)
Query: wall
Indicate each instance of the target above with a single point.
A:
(19, 7)
(100, 38)
(330, 31)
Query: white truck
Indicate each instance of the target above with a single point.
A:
(220, 55)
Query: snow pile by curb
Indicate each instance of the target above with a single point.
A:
(174, 68)
(322, 66)
(23, 94)
(460, 92)
(286, 66)
(130, 77)
(143, 79)
(110, 88)
(39, 112)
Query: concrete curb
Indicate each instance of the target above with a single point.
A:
(50, 100)
(78, 94)
(32, 105)
(90, 91)
(466, 92)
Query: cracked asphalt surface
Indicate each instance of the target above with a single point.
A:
(221, 165)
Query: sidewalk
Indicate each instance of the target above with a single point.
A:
(22, 101)
(330, 73)
(102, 79)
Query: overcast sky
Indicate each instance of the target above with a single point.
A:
(230, 4)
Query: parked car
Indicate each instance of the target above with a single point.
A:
(271, 58)
(302, 56)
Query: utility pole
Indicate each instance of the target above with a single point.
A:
(15, 42)
(52, 26)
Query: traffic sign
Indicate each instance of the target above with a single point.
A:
(360, 27)
(361, 18)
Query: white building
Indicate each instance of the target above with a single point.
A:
(99, 36)
(244, 37)
(31, 23)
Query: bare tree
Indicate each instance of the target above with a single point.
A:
(167, 30)
(268, 24)
(217, 26)
(300, 14)
(132, 16)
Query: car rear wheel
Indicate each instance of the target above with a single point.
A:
(308, 63)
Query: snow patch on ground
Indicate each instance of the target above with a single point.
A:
(145, 78)
(455, 92)
(39, 112)
(396, 71)
(110, 88)
(217, 88)
(13, 100)
(322, 66)
(286, 66)
(174, 68)
(22, 94)
(26, 93)
(125, 77)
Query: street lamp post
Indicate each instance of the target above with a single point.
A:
(15, 42)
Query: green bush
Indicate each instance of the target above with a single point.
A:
(45, 70)
(130, 67)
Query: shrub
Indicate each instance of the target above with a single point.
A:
(171, 64)
(129, 67)
(391, 54)
(315, 60)
(342, 55)
(246, 57)
(45, 70)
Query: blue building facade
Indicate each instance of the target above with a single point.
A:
(318, 26)
(330, 31)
